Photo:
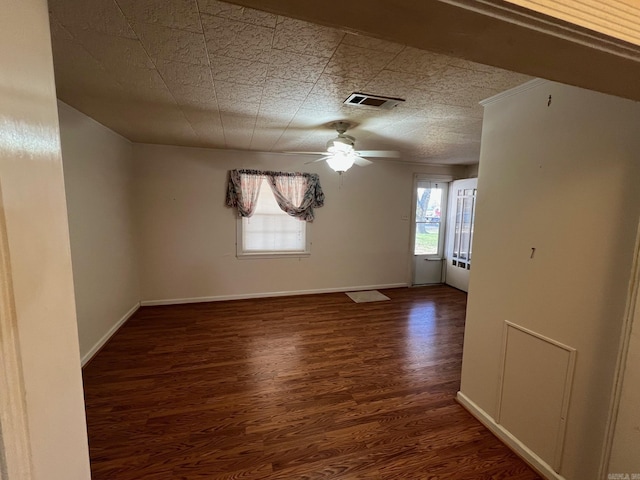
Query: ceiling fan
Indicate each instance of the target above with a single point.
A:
(341, 155)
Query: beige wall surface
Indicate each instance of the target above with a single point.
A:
(560, 178)
(187, 235)
(98, 172)
(625, 454)
(37, 230)
(472, 170)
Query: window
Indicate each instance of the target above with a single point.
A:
(270, 231)
(463, 234)
(275, 209)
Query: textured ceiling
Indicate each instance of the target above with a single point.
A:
(212, 74)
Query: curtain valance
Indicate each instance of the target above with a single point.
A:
(297, 194)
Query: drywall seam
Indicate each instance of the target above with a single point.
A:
(508, 439)
(219, 298)
(107, 336)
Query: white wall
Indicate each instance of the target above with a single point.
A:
(36, 220)
(562, 179)
(98, 172)
(187, 235)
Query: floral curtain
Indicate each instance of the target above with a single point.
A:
(297, 194)
(243, 190)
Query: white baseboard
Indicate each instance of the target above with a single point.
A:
(244, 296)
(508, 439)
(105, 338)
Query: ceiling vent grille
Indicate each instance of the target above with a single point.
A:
(364, 99)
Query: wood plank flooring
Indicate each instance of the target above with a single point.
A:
(305, 387)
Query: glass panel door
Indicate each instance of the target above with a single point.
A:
(428, 242)
(460, 238)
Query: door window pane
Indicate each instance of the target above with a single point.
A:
(428, 220)
(463, 233)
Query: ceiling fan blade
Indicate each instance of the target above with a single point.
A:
(379, 153)
(362, 162)
(305, 153)
(316, 160)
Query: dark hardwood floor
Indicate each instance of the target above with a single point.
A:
(305, 387)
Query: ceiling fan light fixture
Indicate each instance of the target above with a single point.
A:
(341, 161)
(337, 146)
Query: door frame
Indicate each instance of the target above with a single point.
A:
(423, 177)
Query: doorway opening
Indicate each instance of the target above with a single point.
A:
(429, 214)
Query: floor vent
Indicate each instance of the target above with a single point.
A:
(373, 100)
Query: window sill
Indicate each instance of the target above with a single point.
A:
(247, 256)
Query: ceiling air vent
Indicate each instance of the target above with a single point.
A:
(372, 100)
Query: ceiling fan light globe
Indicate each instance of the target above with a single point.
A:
(340, 162)
(340, 148)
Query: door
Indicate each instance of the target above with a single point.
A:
(462, 210)
(428, 233)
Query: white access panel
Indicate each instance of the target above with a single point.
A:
(537, 373)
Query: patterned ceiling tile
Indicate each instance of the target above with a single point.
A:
(58, 31)
(356, 62)
(141, 78)
(149, 89)
(192, 97)
(180, 132)
(495, 79)
(371, 43)
(238, 71)
(469, 65)
(322, 103)
(178, 73)
(229, 92)
(302, 37)
(308, 119)
(274, 107)
(267, 132)
(236, 12)
(287, 89)
(207, 125)
(181, 14)
(172, 44)
(295, 66)
(337, 86)
(418, 62)
(112, 51)
(238, 109)
(79, 72)
(238, 130)
(215, 74)
(462, 96)
(449, 78)
(98, 15)
(438, 110)
(393, 84)
(235, 39)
